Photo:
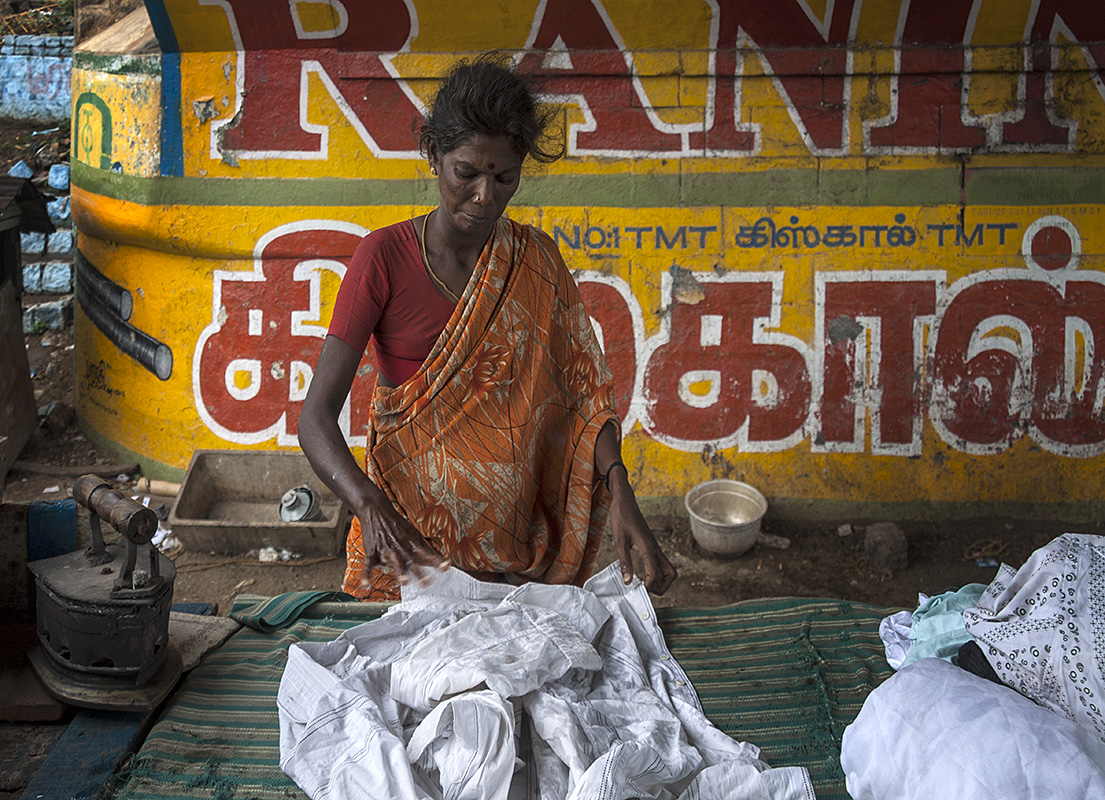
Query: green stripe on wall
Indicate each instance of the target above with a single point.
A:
(1038, 186)
(250, 192)
(147, 466)
(118, 63)
(1013, 186)
(612, 191)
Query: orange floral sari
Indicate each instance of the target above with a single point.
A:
(489, 449)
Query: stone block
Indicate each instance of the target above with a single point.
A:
(61, 242)
(32, 244)
(56, 417)
(25, 40)
(21, 170)
(59, 177)
(52, 316)
(57, 277)
(32, 278)
(886, 547)
(35, 87)
(59, 210)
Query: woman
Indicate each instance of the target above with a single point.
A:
(493, 442)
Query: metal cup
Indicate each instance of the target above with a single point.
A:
(300, 504)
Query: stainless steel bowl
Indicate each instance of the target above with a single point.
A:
(725, 516)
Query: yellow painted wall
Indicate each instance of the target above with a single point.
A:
(831, 251)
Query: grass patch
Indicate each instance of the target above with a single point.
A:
(48, 17)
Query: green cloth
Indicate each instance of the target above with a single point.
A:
(271, 614)
(784, 674)
(938, 629)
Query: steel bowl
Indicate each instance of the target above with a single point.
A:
(725, 516)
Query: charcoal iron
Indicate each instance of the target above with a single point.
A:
(103, 614)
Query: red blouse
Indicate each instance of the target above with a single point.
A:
(387, 295)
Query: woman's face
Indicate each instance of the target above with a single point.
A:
(476, 180)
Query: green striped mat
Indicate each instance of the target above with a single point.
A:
(785, 674)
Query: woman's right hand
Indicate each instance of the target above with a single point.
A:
(391, 541)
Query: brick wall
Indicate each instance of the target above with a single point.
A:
(35, 86)
(34, 77)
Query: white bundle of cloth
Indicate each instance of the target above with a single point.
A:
(935, 730)
(474, 691)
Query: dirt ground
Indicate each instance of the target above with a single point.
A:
(819, 561)
(39, 144)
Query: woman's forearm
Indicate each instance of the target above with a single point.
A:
(322, 442)
(320, 436)
(629, 528)
(608, 451)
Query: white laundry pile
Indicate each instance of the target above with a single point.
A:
(935, 730)
(470, 690)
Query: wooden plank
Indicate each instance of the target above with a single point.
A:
(87, 754)
(132, 34)
(199, 609)
(195, 635)
(23, 748)
(18, 413)
(23, 698)
(15, 580)
(107, 472)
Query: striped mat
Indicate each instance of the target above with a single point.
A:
(785, 674)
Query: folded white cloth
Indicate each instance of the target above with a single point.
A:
(934, 730)
(479, 691)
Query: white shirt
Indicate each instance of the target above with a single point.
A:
(475, 691)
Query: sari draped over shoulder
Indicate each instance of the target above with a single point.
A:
(489, 449)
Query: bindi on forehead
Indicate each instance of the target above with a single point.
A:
(491, 165)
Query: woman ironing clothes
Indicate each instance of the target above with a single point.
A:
(493, 440)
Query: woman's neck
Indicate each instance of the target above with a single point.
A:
(455, 249)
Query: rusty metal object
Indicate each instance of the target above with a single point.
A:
(135, 522)
(132, 519)
(103, 615)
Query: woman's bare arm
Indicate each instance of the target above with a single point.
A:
(389, 539)
(627, 524)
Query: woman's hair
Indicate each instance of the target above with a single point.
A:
(488, 96)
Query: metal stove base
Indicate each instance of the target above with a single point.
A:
(107, 693)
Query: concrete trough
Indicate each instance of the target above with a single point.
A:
(229, 503)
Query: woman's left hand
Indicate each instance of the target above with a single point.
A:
(631, 532)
